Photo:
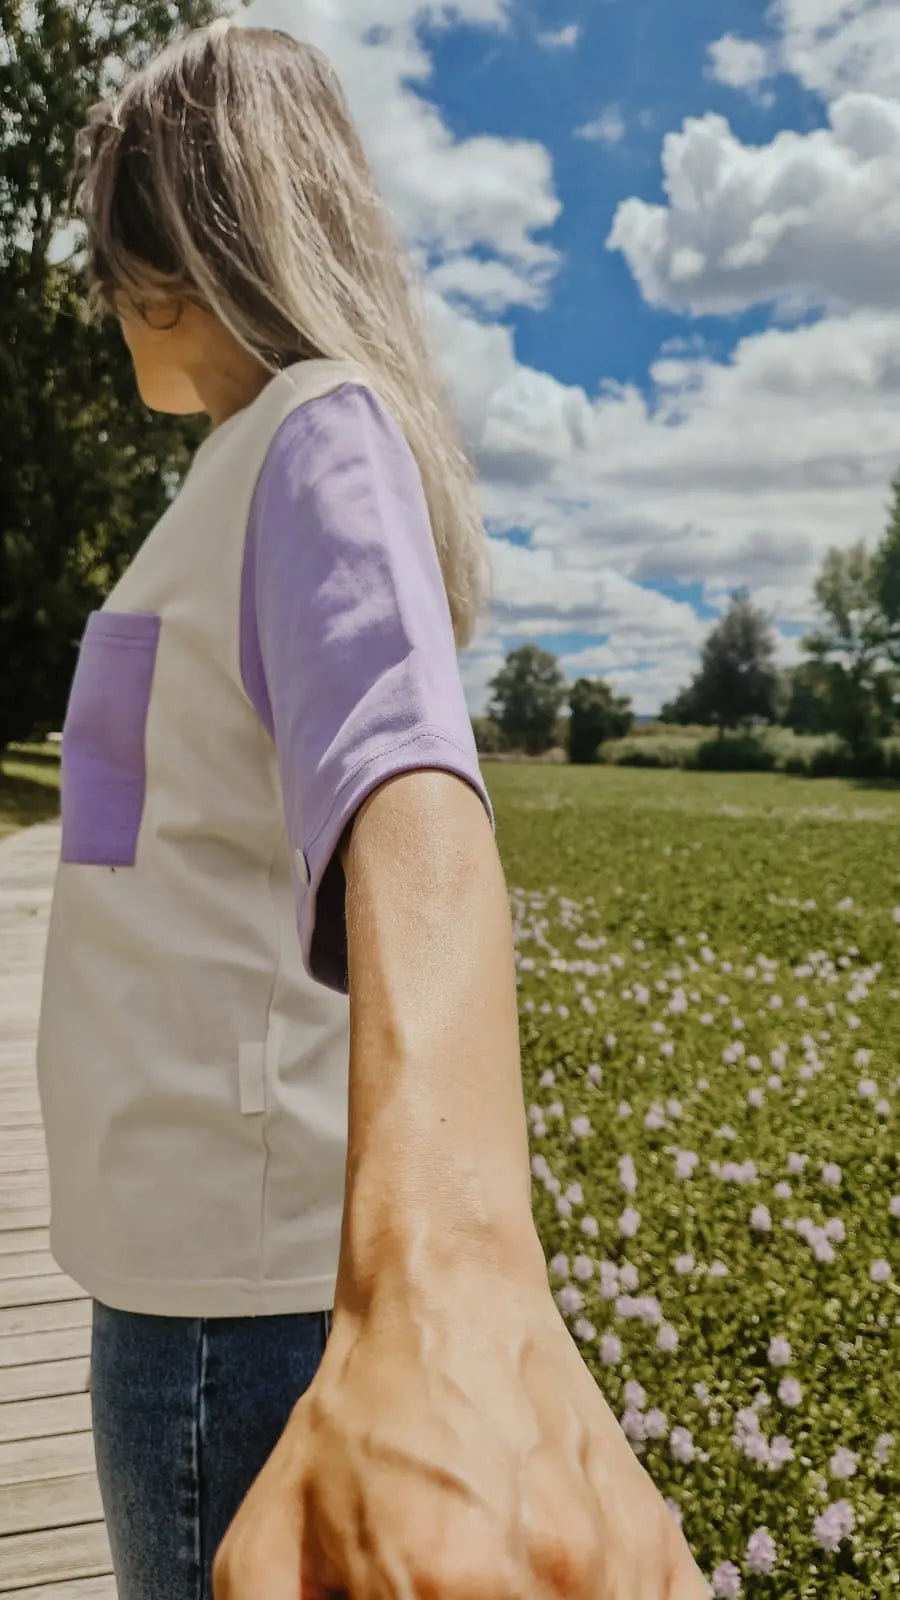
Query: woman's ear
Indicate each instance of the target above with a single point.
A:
(161, 315)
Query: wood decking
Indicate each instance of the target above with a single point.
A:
(53, 1543)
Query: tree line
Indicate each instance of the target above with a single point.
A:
(847, 684)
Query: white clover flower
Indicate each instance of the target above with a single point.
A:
(779, 1351)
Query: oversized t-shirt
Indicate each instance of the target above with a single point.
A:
(279, 646)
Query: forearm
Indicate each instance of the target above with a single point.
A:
(438, 1160)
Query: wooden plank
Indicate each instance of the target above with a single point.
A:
(26, 1159)
(38, 1291)
(25, 1459)
(29, 1217)
(40, 1379)
(62, 1503)
(53, 1544)
(42, 1419)
(59, 1314)
(80, 1589)
(18, 1240)
(54, 1344)
(27, 1264)
(14, 1183)
(53, 1555)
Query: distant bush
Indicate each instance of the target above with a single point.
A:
(767, 749)
(740, 752)
(661, 750)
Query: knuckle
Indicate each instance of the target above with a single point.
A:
(459, 1574)
(566, 1556)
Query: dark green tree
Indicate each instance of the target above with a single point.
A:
(682, 709)
(737, 682)
(488, 736)
(849, 645)
(85, 469)
(805, 698)
(597, 715)
(528, 692)
(886, 576)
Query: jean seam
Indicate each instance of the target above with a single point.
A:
(199, 1421)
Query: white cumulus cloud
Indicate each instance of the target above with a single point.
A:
(808, 220)
(739, 63)
(607, 128)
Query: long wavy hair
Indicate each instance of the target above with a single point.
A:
(228, 171)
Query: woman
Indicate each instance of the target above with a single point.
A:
(278, 1050)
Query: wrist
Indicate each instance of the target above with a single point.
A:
(395, 1244)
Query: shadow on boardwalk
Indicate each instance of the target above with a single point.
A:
(53, 1543)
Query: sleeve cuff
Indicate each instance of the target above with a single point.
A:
(323, 932)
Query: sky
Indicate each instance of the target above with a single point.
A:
(661, 253)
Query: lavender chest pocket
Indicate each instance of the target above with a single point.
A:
(103, 773)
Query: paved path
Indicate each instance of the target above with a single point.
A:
(53, 1542)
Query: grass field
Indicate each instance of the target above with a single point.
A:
(709, 972)
(29, 786)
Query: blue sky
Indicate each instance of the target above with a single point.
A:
(713, 402)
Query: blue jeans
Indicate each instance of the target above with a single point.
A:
(185, 1413)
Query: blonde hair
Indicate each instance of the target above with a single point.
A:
(229, 171)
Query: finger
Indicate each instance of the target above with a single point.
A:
(688, 1582)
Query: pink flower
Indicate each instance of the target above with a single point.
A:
(761, 1552)
(843, 1463)
(610, 1350)
(629, 1222)
(685, 1162)
(633, 1424)
(681, 1444)
(779, 1352)
(726, 1581)
(834, 1525)
(627, 1174)
(655, 1423)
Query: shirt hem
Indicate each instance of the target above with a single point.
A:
(211, 1297)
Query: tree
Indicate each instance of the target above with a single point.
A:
(683, 709)
(737, 681)
(805, 699)
(488, 737)
(597, 715)
(885, 574)
(85, 469)
(850, 646)
(528, 692)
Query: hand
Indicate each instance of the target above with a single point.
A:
(454, 1446)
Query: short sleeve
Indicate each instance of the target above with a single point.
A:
(347, 648)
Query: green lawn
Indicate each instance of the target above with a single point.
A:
(29, 786)
(709, 972)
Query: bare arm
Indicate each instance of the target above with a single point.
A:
(438, 1159)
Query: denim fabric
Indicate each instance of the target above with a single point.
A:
(185, 1414)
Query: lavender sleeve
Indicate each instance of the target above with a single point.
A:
(347, 648)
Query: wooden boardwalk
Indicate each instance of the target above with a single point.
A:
(53, 1543)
